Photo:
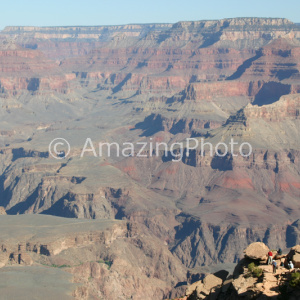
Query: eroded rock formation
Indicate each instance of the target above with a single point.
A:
(216, 80)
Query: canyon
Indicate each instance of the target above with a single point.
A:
(118, 227)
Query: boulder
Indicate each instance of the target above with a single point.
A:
(244, 286)
(2, 211)
(211, 281)
(296, 260)
(294, 254)
(223, 274)
(296, 248)
(191, 288)
(209, 286)
(283, 256)
(257, 251)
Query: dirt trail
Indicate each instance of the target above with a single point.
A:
(271, 281)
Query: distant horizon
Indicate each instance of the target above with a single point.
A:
(146, 23)
(66, 13)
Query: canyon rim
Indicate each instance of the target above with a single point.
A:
(145, 226)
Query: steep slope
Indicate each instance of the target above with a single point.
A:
(28, 70)
(84, 259)
(252, 278)
(225, 199)
(217, 80)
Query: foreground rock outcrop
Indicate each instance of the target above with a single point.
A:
(257, 251)
(294, 255)
(209, 286)
(251, 279)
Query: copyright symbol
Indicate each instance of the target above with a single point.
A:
(59, 148)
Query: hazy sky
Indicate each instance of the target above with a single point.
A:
(109, 12)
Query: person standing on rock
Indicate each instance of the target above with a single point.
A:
(290, 265)
(274, 263)
(270, 257)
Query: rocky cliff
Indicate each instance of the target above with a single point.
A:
(211, 80)
(252, 278)
(107, 259)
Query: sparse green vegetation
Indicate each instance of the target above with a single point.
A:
(295, 280)
(107, 262)
(286, 290)
(56, 266)
(60, 266)
(254, 270)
